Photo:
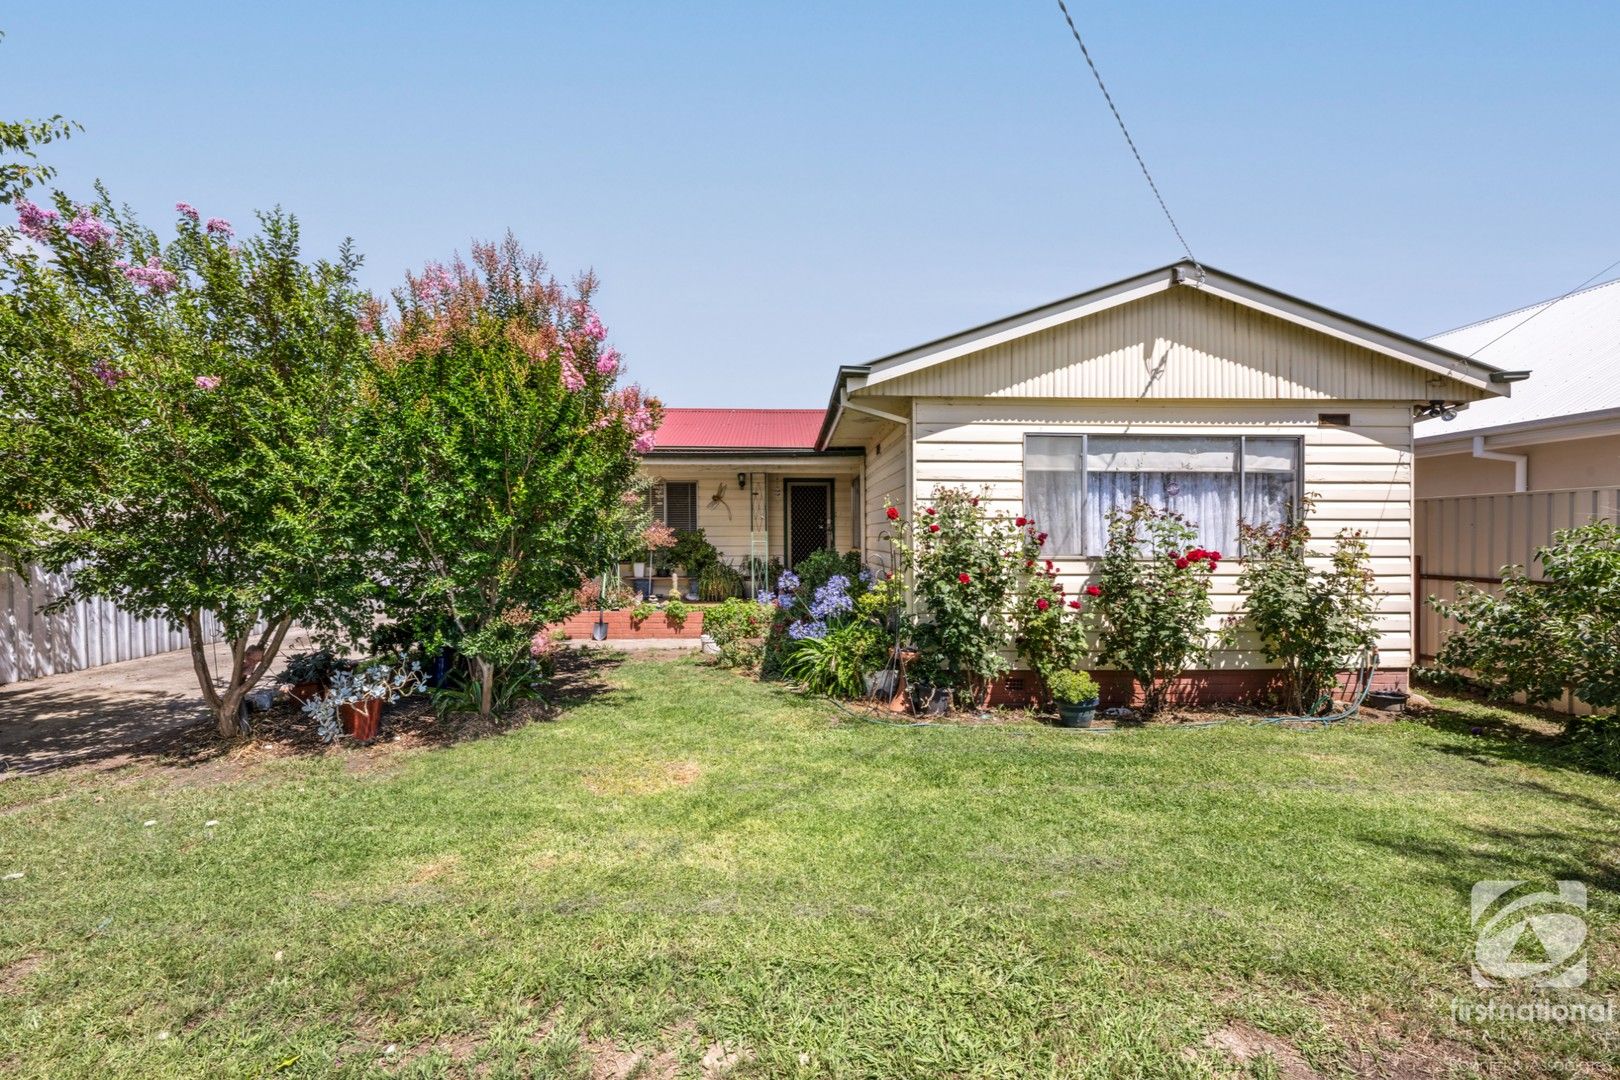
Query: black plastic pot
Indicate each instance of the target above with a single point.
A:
(930, 700)
(1076, 713)
(1387, 700)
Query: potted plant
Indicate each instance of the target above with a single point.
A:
(306, 675)
(1075, 694)
(354, 703)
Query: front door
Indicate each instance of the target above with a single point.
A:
(809, 518)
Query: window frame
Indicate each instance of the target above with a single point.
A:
(1240, 469)
(664, 503)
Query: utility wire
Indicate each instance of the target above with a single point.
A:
(1545, 307)
(1092, 64)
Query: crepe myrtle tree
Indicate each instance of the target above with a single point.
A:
(174, 420)
(508, 448)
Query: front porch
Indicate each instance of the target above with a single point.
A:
(759, 517)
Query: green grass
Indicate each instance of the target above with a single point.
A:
(694, 858)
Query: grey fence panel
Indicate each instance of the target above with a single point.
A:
(1466, 540)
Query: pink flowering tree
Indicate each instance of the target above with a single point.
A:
(509, 451)
(173, 419)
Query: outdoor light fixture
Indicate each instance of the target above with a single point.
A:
(1441, 409)
(742, 480)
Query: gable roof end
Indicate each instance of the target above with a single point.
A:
(1238, 290)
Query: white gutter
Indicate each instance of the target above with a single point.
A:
(1521, 462)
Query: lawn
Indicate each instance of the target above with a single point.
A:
(690, 873)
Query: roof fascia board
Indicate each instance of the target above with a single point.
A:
(1302, 313)
(1592, 425)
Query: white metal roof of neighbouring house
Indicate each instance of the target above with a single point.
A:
(1571, 347)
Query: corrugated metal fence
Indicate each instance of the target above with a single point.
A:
(84, 635)
(1469, 538)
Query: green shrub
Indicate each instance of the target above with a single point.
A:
(966, 565)
(837, 664)
(692, 552)
(815, 569)
(1153, 604)
(1071, 687)
(1595, 742)
(736, 626)
(1314, 623)
(676, 611)
(1541, 639)
(718, 582)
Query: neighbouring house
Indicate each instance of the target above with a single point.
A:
(1561, 430)
(1183, 385)
(1497, 480)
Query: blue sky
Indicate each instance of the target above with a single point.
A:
(769, 190)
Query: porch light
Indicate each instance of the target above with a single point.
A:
(742, 480)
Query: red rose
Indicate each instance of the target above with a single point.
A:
(1056, 587)
(1181, 563)
(930, 511)
(1049, 564)
(1215, 555)
(1093, 590)
(1020, 522)
(894, 513)
(1213, 565)
(1197, 554)
(933, 528)
(973, 501)
(963, 578)
(1075, 604)
(1041, 538)
(1029, 564)
(1173, 554)
(1041, 605)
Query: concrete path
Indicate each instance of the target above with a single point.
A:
(99, 714)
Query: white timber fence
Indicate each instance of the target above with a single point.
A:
(1466, 540)
(85, 634)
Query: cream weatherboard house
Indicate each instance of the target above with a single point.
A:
(1184, 385)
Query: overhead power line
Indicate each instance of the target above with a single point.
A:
(1125, 131)
(1544, 308)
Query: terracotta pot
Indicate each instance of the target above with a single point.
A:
(305, 691)
(361, 721)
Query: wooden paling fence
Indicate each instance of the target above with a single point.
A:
(1468, 539)
(86, 634)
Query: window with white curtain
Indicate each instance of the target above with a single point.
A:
(1072, 483)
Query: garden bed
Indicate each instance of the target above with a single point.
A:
(622, 625)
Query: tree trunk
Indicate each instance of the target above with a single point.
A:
(486, 692)
(227, 709)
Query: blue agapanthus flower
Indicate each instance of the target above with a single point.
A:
(832, 599)
(765, 596)
(806, 629)
(867, 577)
(788, 582)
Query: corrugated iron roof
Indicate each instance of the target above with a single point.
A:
(1571, 347)
(739, 429)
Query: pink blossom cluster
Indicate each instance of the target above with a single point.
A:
(572, 380)
(187, 210)
(607, 361)
(109, 375)
(218, 226)
(207, 382)
(88, 229)
(35, 222)
(151, 277)
(434, 283)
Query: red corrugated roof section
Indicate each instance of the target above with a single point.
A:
(739, 429)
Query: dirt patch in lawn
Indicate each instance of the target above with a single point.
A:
(14, 974)
(1244, 1043)
(641, 779)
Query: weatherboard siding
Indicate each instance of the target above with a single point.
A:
(1177, 345)
(887, 468)
(1360, 477)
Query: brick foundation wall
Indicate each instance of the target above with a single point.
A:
(1195, 688)
(622, 628)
